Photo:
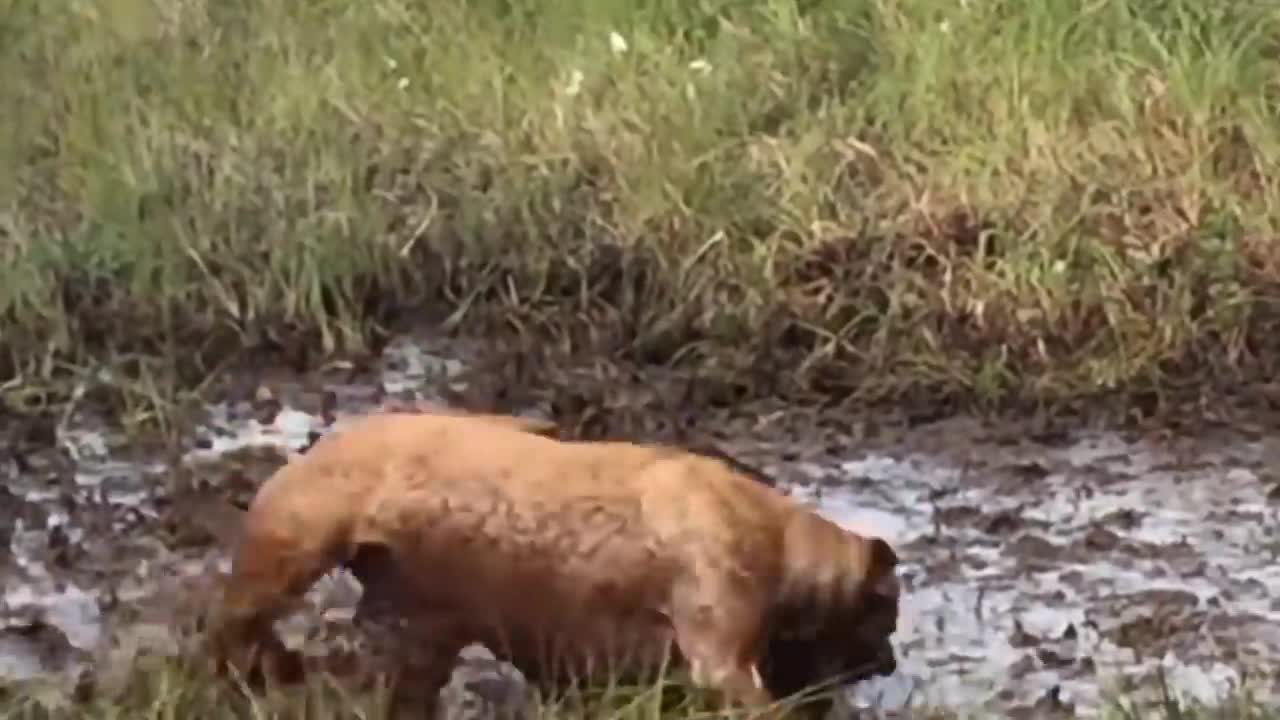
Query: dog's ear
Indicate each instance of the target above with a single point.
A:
(883, 560)
(883, 557)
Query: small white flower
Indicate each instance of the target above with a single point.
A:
(700, 66)
(617, 43)
(402, 83)
(391, 62)
(945, 27)
(575, 83)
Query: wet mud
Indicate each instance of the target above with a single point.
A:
(1041, 577)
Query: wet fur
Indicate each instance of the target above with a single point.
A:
(560, 556)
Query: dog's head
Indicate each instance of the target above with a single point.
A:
(836, 636)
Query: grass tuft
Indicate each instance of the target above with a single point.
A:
(171, 689)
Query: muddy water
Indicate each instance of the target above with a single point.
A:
(1046, 577)
(1039, 577)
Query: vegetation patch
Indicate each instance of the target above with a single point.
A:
(165, 689)
(984, 202)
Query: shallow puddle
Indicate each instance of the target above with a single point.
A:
(1047, 576)
(1039, 577)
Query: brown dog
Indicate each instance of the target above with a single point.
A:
(567, 558)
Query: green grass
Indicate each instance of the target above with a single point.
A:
(989, 201)
(174, 690)
(161, 689)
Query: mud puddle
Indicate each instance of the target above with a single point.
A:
(1040, 578)
(1049, 578)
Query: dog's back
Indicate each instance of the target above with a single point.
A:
(303, 520)
(584, 520)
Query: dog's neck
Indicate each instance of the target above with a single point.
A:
(825, 565)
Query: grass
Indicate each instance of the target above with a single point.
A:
(171, 690)
(980, 201)
(159, 688)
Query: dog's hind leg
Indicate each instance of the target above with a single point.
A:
(270, 572)
(382, 613)
(425, 659)
(420, 643)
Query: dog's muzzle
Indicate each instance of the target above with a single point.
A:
(885, 662)
(889, 658)
(888, 664)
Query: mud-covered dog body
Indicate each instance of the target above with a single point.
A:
(567, 558)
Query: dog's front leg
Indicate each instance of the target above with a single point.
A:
(722, 641)
(737, 685)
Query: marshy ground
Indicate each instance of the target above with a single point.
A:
(1002, 276)
(1045, 576)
